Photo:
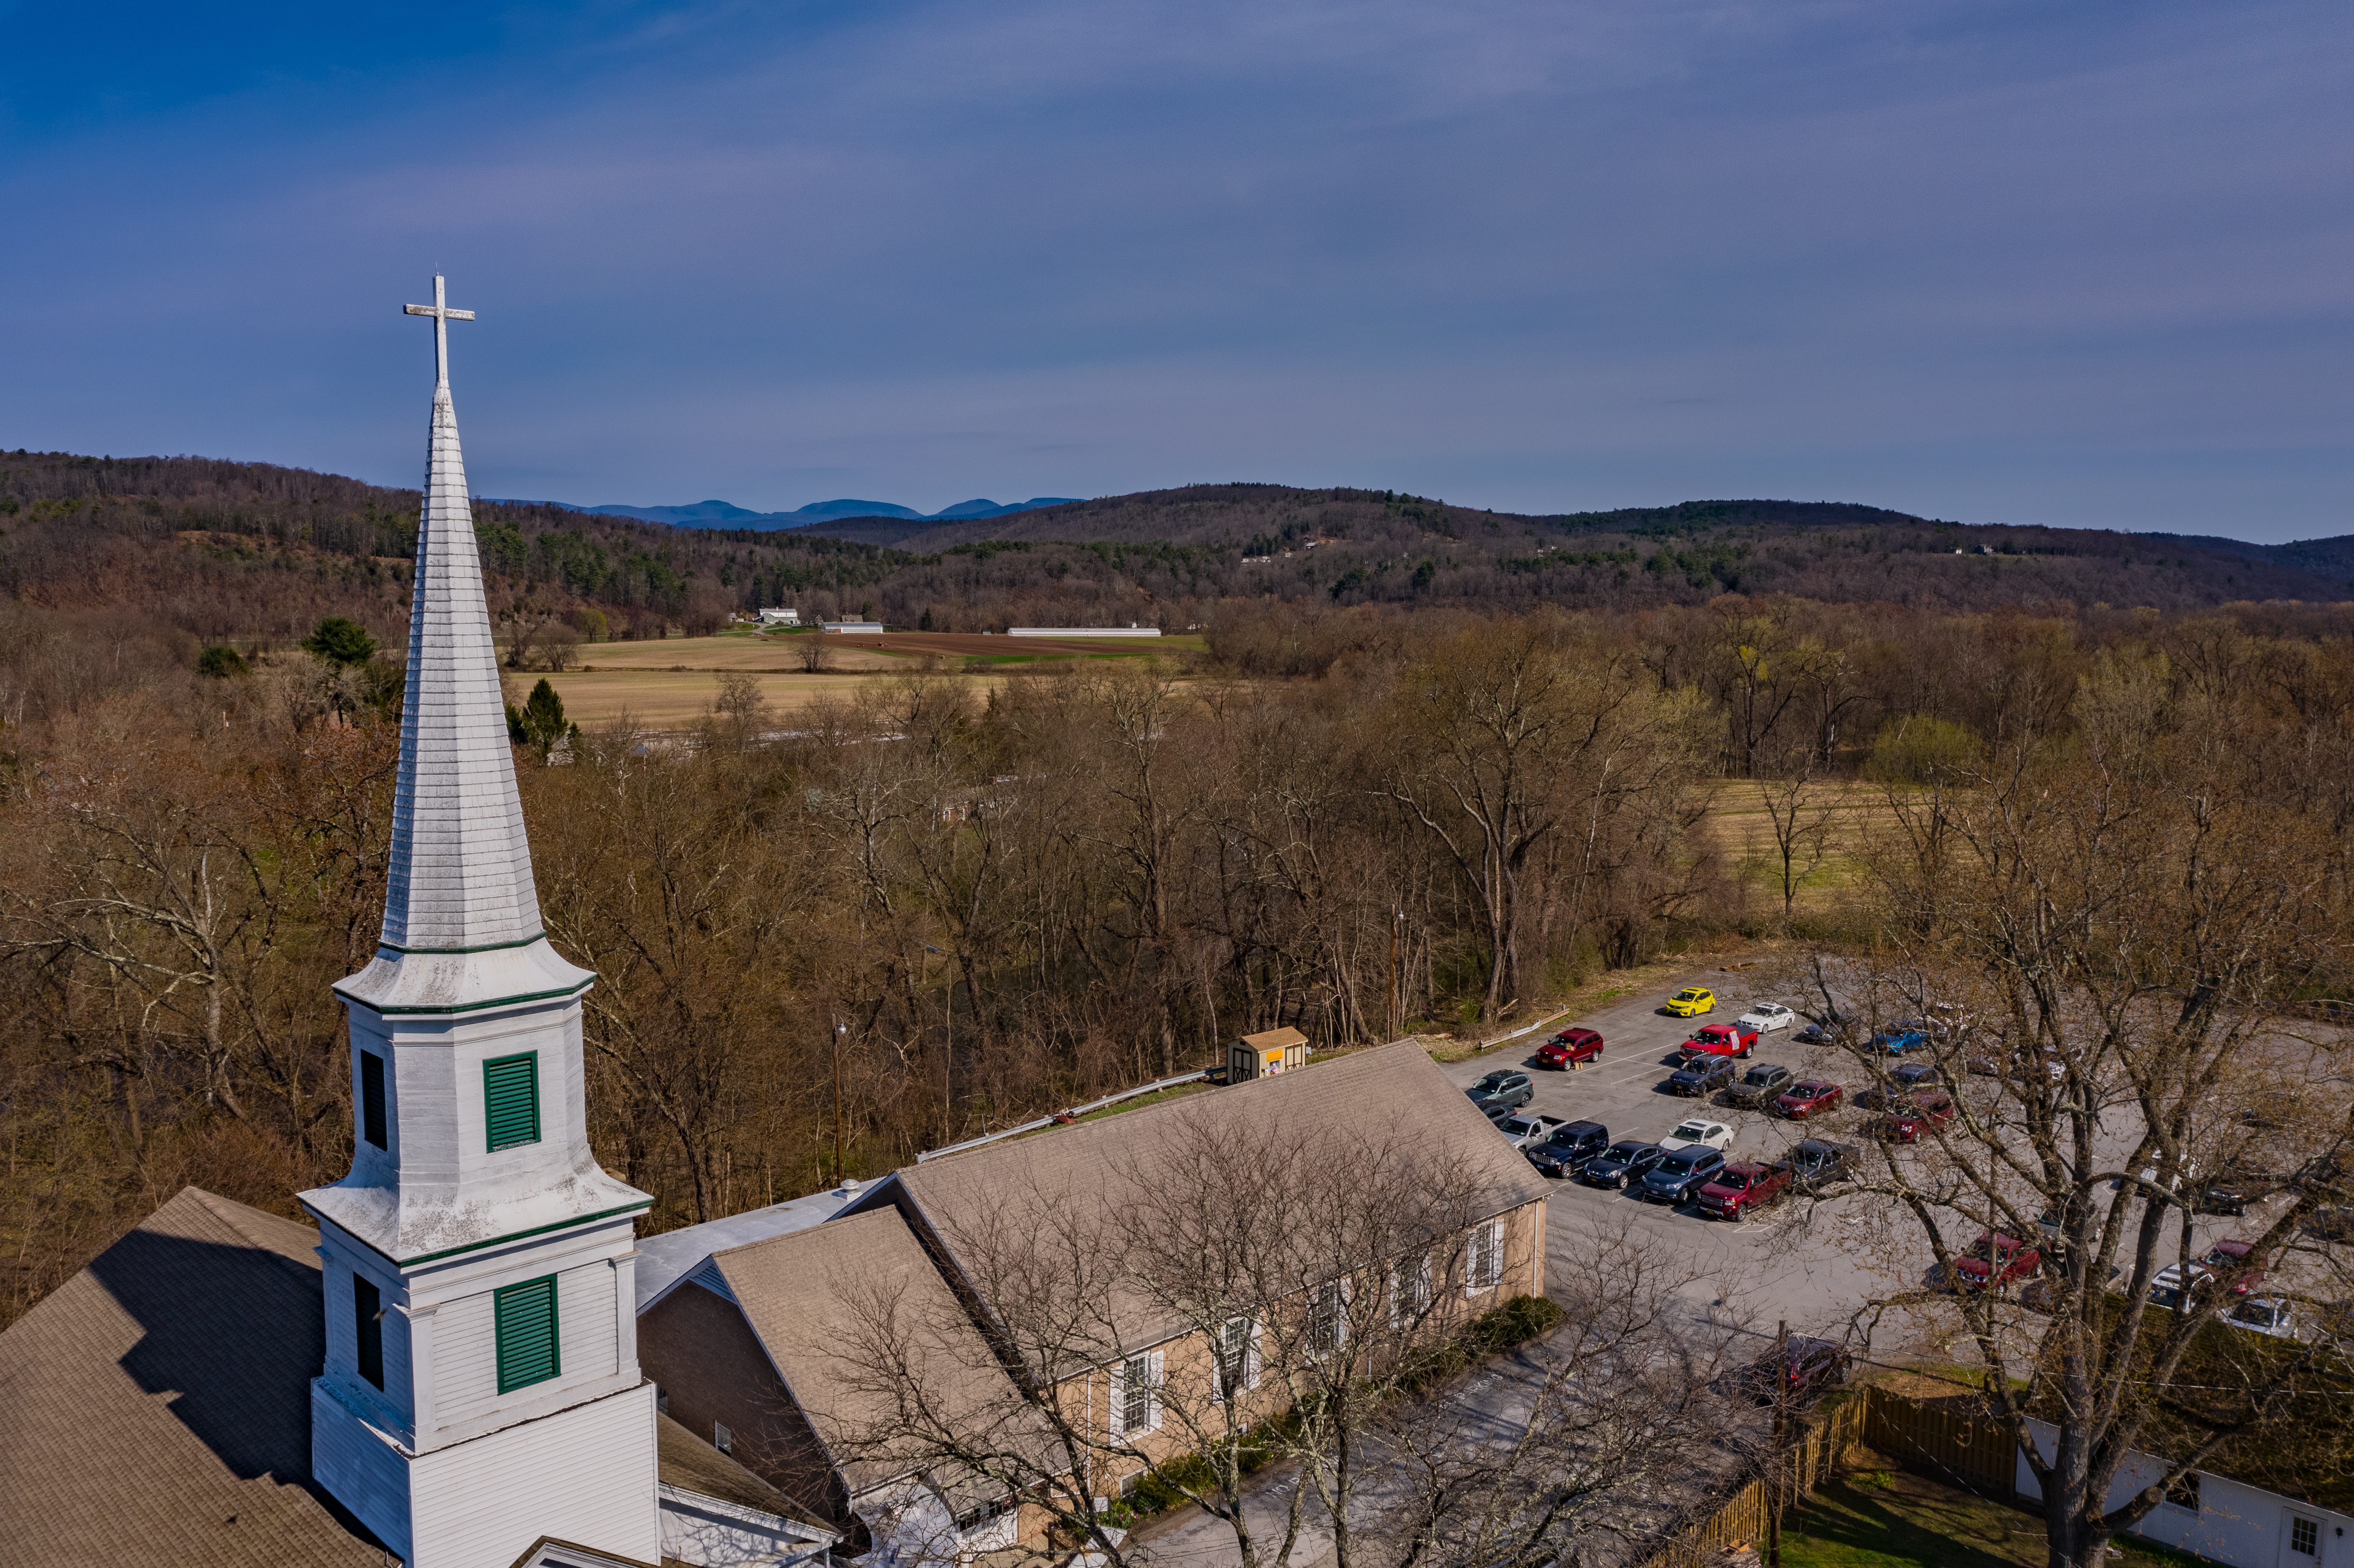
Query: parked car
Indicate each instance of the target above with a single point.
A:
(1525, 1129)
(1692, 1001)
(1719, 1040)
(1570, 1146)
(2020, 1068)
(1698, 1129)
(1806, 1369)
(1904, 1124)
(1807, 1096)
(1571, 1048)
(1679, 1174)
(1760, 1086)
(1816, 1166)
(1898, 1038)
(2266, 1315)
(2224, 1258)
(1993, 1261)
(1741, 1187)
(1620, 1164)
(1768, 1016)
(2226, 1191)
(1496, 1110)
(1898, 1085)
(1705, 1075)
(1827, 1030)
(1504, 1087)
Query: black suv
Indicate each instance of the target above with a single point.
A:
(1679, 1174)
(1704, 1076)
(1570, 1146)
(1760, 1086)
(1815, 1165)
(1501, 1087)
(1620, 1164)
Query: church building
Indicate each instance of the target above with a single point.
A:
(447, 1371)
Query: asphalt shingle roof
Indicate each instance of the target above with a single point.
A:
(155, 1408)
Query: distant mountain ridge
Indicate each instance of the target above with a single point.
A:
(716, 514)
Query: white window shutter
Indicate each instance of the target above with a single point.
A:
(1152, 1362)
(1117, 1402)
(1250, 1359)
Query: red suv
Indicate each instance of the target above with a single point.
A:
(1994, 1262)
(1732, 1191)
(1570, 1048)
(1928, 1108)
(1721, 1040)
(1803, 1098)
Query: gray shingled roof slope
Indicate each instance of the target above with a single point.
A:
(155, 1408)
(1391, 1092)
(807, 1294)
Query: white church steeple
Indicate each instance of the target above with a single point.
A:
(482, 1387)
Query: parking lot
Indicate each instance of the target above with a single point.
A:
(1814, 1264)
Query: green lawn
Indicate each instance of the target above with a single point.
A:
(1891, 1518)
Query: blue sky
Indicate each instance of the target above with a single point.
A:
(2001, 262)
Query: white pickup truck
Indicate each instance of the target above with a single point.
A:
(1527, 1131)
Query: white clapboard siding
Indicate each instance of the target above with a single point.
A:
(585, 1475)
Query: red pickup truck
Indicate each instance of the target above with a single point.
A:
(1720, 1040)
(1739, 1187)
(1571, 1048)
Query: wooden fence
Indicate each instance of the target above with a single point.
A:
(1980, 1455)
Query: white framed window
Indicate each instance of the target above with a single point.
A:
(1237, 1351)
(1327, 1319)
(1409, 1289)
(1483, 1258)
(1136, 1395)
(721, 1438)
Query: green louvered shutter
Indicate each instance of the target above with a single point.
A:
(511, 1100)
(526, 1333)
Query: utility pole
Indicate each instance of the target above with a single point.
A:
(1397, 919)
(1781, 1400)
(839, 1031)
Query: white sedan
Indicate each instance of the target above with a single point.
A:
(1714, 1134)
(1767, 1015)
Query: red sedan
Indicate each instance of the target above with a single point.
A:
(1721, 1040)
(1928, 1108)
(1571, 1048)
(1803, 1098)
(1994, 1262)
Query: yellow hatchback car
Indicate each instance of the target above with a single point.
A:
(1692, 1001)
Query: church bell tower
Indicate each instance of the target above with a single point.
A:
(482, 1387)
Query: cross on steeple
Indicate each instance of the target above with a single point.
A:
(443, 316)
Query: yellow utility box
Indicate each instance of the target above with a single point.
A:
(1264, 1055)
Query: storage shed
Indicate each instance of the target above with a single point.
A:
(1265, 1054)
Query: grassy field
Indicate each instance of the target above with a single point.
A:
(1739, 828)
(1881, 1517)
(671, 684)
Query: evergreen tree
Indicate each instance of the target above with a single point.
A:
(340, 640)
(540, 721)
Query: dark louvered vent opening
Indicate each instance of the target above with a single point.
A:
(526, 1333)
(511, 1099)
